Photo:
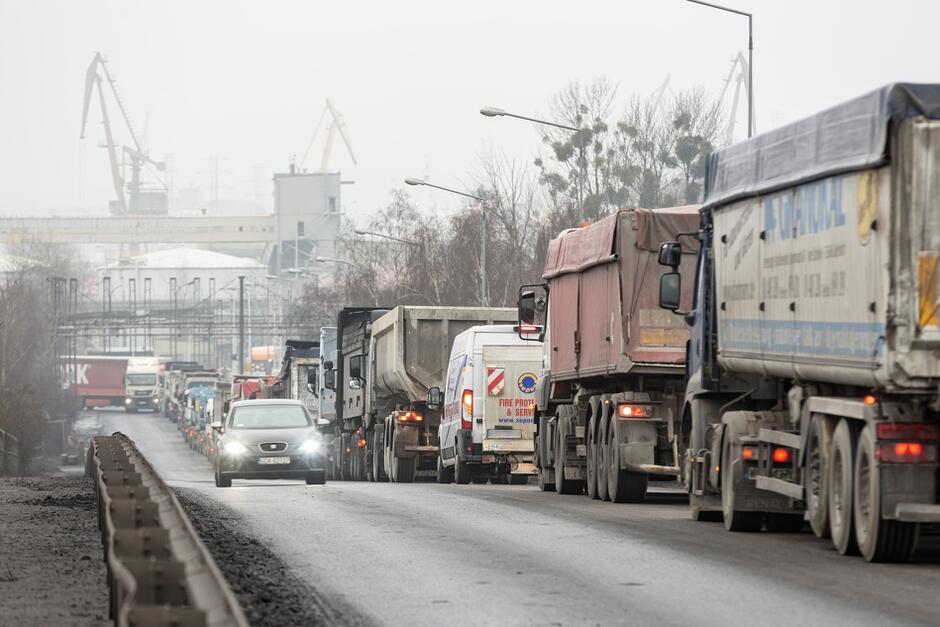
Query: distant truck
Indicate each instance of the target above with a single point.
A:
(813, 363)
(326, 397)
(299, 372)
(386, 363)
(486, 430)
(141, 382)
(608, 401)
(100, 380)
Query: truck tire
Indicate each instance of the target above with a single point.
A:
(445, 474)
(734, 520)
(462, 471)
(839, 487)
(879, 540)
(405, 469)
(378, 455)
(592, 458)
(818, 449)
(344, 457)
(623, 486)
(601, 457)
(545, 476)
(562, 485)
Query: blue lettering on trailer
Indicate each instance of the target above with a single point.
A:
(811, 208)
(809, 337)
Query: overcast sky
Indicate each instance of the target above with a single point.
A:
(247, 80)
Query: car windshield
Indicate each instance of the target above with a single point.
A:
(141, 379)
(270, 417)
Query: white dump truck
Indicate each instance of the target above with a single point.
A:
(814, 359)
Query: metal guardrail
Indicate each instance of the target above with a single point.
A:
(9, 454)
(159, 572)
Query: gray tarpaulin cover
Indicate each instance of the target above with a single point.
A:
(847, 137)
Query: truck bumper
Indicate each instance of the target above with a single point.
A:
(917, 512)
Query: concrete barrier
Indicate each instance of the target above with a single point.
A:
(159, 572)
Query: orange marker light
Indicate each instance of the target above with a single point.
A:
(747, 453)
(781, 455)
(870, 399)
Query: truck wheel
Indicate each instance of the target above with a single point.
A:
(592, 458)
(817, 475)
(378, 456)
(344, 457)
(601, 460)
(840, 489)
(734, 520)
(405, 469)
(445, 474)
(562, 485)
(623, 486)
(879, 540)
(462, 471)
(545, 476)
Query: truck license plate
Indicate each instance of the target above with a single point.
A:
(264, 461)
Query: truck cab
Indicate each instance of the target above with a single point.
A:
(486, 430)
(141, 384)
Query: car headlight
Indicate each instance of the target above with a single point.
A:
(235, 448)
(310, 446)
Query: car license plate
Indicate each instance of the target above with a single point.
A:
(264, 461)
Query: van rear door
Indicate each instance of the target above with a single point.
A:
(510, 374)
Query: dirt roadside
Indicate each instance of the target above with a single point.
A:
(52, 569)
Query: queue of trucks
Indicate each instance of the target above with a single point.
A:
(773, 352)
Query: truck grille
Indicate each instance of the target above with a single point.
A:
(141, 393)
(272, 447)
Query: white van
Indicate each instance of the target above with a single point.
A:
(486, 428)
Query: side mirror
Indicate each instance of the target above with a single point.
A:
(435, 398)
(322, 422)
(532, 308)
(526, 307)
(216, 426)
(670, 291)
(355, 384)
(670, 254)
(355, 367)
(329, 379)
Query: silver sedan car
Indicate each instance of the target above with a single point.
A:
(268, 439)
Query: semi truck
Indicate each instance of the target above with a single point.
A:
(813, 365)
(326, 397)
(387, 360)
(141, 381)
(607, 402)
(100, 380)
(298, 374)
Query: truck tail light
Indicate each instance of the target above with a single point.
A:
(781, 455)
(907, 431)
(466, 409)
(748, 453)
(634, 411)
(907, 452)
(410, 416)
(361, 443)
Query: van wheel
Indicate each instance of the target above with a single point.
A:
(445, 474)
(841, 475)
(879, 540)
(817, 474)
(462, 471)
(734, 520)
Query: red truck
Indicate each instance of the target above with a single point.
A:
(608, 403)
(100, 380)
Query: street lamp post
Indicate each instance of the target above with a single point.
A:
(484, 288)
(495, 112)
(334, 260)
(384, 236)
(750, 58)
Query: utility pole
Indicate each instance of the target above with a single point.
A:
(241, 323)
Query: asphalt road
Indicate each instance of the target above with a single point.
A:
(429, 554)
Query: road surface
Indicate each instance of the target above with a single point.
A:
(429, 554)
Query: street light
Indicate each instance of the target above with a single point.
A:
(394, 239)
(496, 112)
(750, 58)
(484, 289)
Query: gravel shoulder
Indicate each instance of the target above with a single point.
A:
(52, 569)
(269, 593)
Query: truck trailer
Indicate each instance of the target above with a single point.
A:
(607, 402)
(813, 363)
(386, 363)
